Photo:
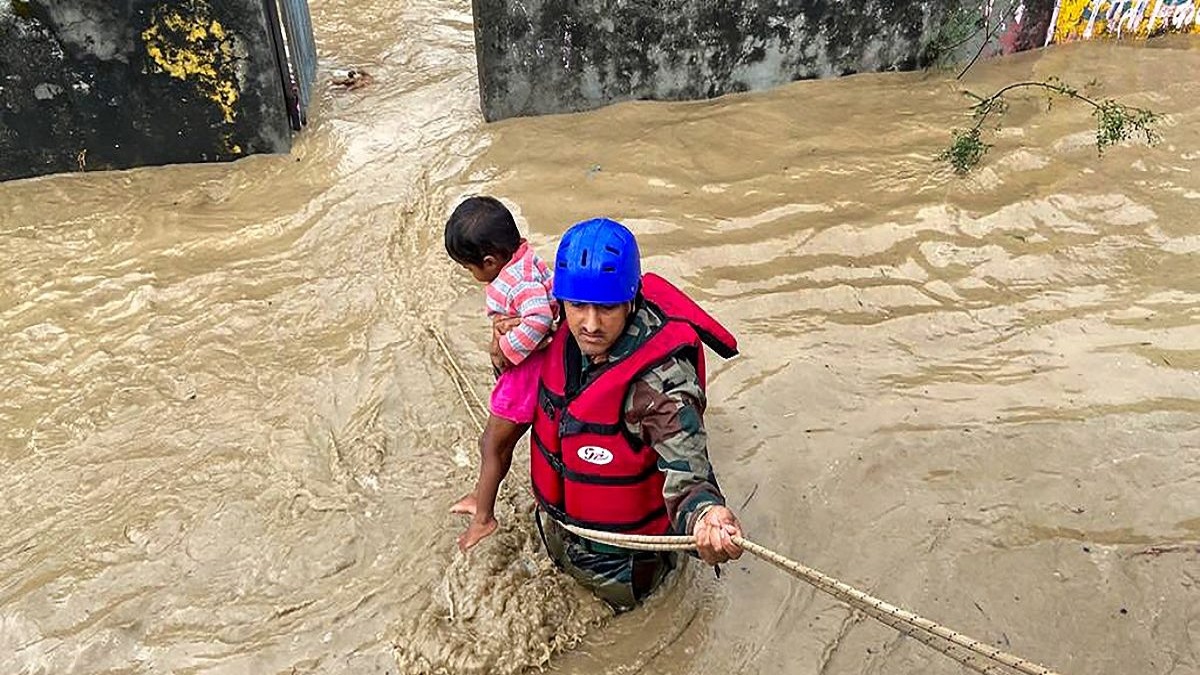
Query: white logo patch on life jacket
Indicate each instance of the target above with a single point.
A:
(594, 454)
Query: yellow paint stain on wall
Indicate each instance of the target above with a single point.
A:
(185, 42)
(1070, 17)
(1086, 19)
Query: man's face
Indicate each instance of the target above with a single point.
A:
(596, 327)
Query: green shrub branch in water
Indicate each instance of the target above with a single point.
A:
(1115, 122)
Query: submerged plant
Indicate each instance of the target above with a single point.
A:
(1115, 122)
(965, 151)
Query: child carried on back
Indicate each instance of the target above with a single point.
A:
(482, 236)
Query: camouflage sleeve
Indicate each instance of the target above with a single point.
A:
(665, 408)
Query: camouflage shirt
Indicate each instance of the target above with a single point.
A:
(665, 408)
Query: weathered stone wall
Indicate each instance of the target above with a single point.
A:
(549, 56)
(104, 84)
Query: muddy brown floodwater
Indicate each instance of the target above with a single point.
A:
(229, 443)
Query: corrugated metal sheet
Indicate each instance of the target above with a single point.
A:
(302, 48)
(296, 54)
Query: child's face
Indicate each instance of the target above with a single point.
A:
(485, 273)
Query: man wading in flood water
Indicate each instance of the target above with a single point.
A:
(618, 434)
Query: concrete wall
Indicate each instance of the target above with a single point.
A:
(549, 56)
(105, 84)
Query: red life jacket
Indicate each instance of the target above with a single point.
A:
(587, 469)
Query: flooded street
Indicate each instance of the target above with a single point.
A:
(230, 442)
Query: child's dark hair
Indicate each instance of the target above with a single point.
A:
(479, 227)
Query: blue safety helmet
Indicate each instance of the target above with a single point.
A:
(597, 263)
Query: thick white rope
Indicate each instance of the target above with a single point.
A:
(870, 605)
(941, 638)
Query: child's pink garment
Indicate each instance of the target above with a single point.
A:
(514, 397)
(522, 289)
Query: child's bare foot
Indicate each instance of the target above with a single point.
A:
(465, 506)
(475, 533)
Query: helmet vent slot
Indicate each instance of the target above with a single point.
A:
(583, 258)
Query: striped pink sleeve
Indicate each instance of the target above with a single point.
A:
(532, 303)
(497, 301)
